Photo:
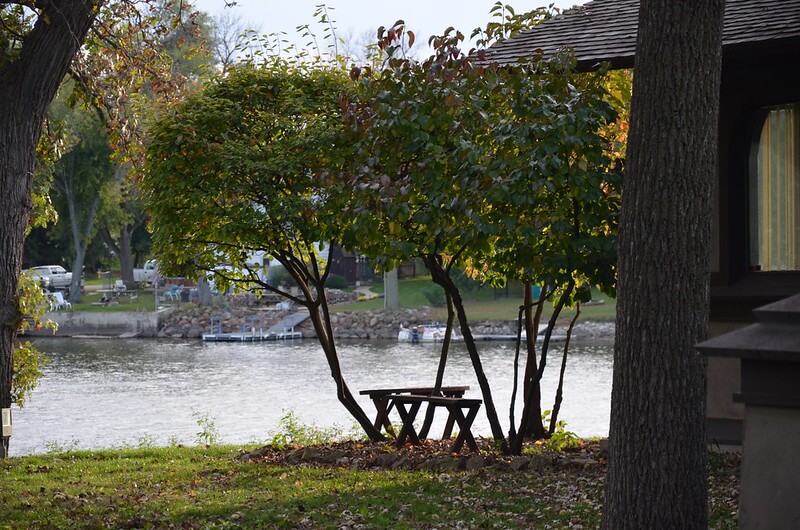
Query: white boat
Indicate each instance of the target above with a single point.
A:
(435, 333)
(426, 333)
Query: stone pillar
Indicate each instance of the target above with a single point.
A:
(770, 354)
(391, 290)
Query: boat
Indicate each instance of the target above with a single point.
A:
(435, 333)
(426, 333)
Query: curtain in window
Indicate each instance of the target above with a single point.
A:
(775, 193)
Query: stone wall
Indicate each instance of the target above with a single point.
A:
(376, 324)
(192, 322)
(130, 323)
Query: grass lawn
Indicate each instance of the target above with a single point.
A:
(197, 487)
(483, 303)
(144, 302)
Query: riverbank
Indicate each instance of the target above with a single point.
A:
(350, 319)
(192, 322)
(188, 321)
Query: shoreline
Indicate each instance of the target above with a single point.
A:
(192, 322)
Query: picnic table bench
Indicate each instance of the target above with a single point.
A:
(408, 405)
(380, 398)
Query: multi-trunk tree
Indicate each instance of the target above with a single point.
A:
(246, 167)
(503, 170)
(83, 177)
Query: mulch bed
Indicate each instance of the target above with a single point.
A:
(432, 455)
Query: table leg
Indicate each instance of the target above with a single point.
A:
(448, 426)
(464, 426)
(408, 417)
(384, 406)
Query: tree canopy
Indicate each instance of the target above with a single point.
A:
(245, 167)
(504, 171)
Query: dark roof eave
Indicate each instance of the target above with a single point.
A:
(730, 50)
(615, 63)
(585, 64)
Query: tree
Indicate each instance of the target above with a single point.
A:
(158, 54)
(417, 192)
(229, 38)
(657, 459)
(82, 178)
(123, 230)
(38, 42)
(502, 170)
(31, 68)
(555, 206)
(244, 167)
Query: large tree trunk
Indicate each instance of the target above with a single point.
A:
(29, 84)
(657, 460)
(123, 249)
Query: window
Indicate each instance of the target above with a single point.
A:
(775, 193)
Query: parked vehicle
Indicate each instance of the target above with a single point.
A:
(50, 276)
(147, 274)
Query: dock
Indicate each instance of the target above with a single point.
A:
(252, 330)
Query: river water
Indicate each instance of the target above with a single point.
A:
(108, 393)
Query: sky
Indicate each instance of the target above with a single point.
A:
(356, 18)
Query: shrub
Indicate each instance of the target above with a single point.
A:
(335, 281)
(278, 276)
(292, 432)
(561, 439)
(435, 296)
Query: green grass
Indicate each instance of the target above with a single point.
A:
(144, 302)
(95, 282)
(197, 487)
(483, 303)
(209, 488)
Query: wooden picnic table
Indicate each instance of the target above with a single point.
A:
(408, 405)
(116, 293)
(383, 405)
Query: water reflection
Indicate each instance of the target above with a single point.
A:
(101, 393)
